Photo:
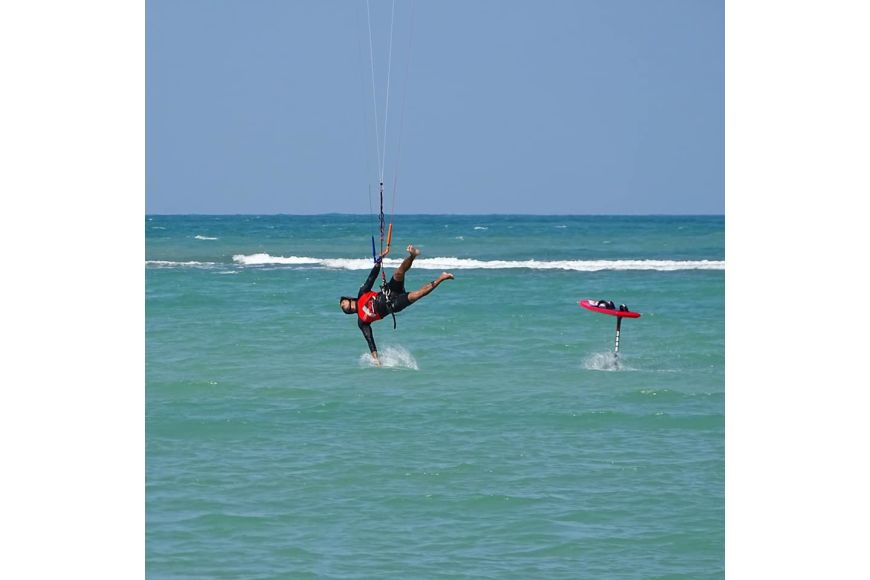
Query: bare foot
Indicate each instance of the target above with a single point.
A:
(412, 250)
(446, 276)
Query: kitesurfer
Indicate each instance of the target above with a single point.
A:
(371, 306)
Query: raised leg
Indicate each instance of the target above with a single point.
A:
(399, 274)
(417, 294)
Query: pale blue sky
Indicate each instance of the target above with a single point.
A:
(553, 106)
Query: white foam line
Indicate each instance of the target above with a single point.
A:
(449, 263)
(170, 264)
(261, 259)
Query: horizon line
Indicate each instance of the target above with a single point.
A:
(447, 214)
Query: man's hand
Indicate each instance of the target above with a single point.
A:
(383, 255)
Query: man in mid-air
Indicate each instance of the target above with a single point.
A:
(370, 306)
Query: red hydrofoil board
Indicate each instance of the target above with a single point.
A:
(591, 305)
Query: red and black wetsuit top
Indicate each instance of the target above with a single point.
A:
(365, 307)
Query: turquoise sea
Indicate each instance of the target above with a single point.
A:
(499, 440)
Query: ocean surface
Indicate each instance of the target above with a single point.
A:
(500, 439)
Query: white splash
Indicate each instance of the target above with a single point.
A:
(603, 361)
(203, 238)
(391, 357)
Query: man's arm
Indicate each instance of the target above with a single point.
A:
(373, 275)
(370, 339)
(370, 281)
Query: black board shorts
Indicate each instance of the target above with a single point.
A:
(398, 296)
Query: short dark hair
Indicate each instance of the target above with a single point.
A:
(342, 299)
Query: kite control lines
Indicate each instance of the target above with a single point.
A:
(607, 307)
(389, 233)
(386, 233)
(377, 257)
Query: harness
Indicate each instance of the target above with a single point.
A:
(385, 290)
(365, 306)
